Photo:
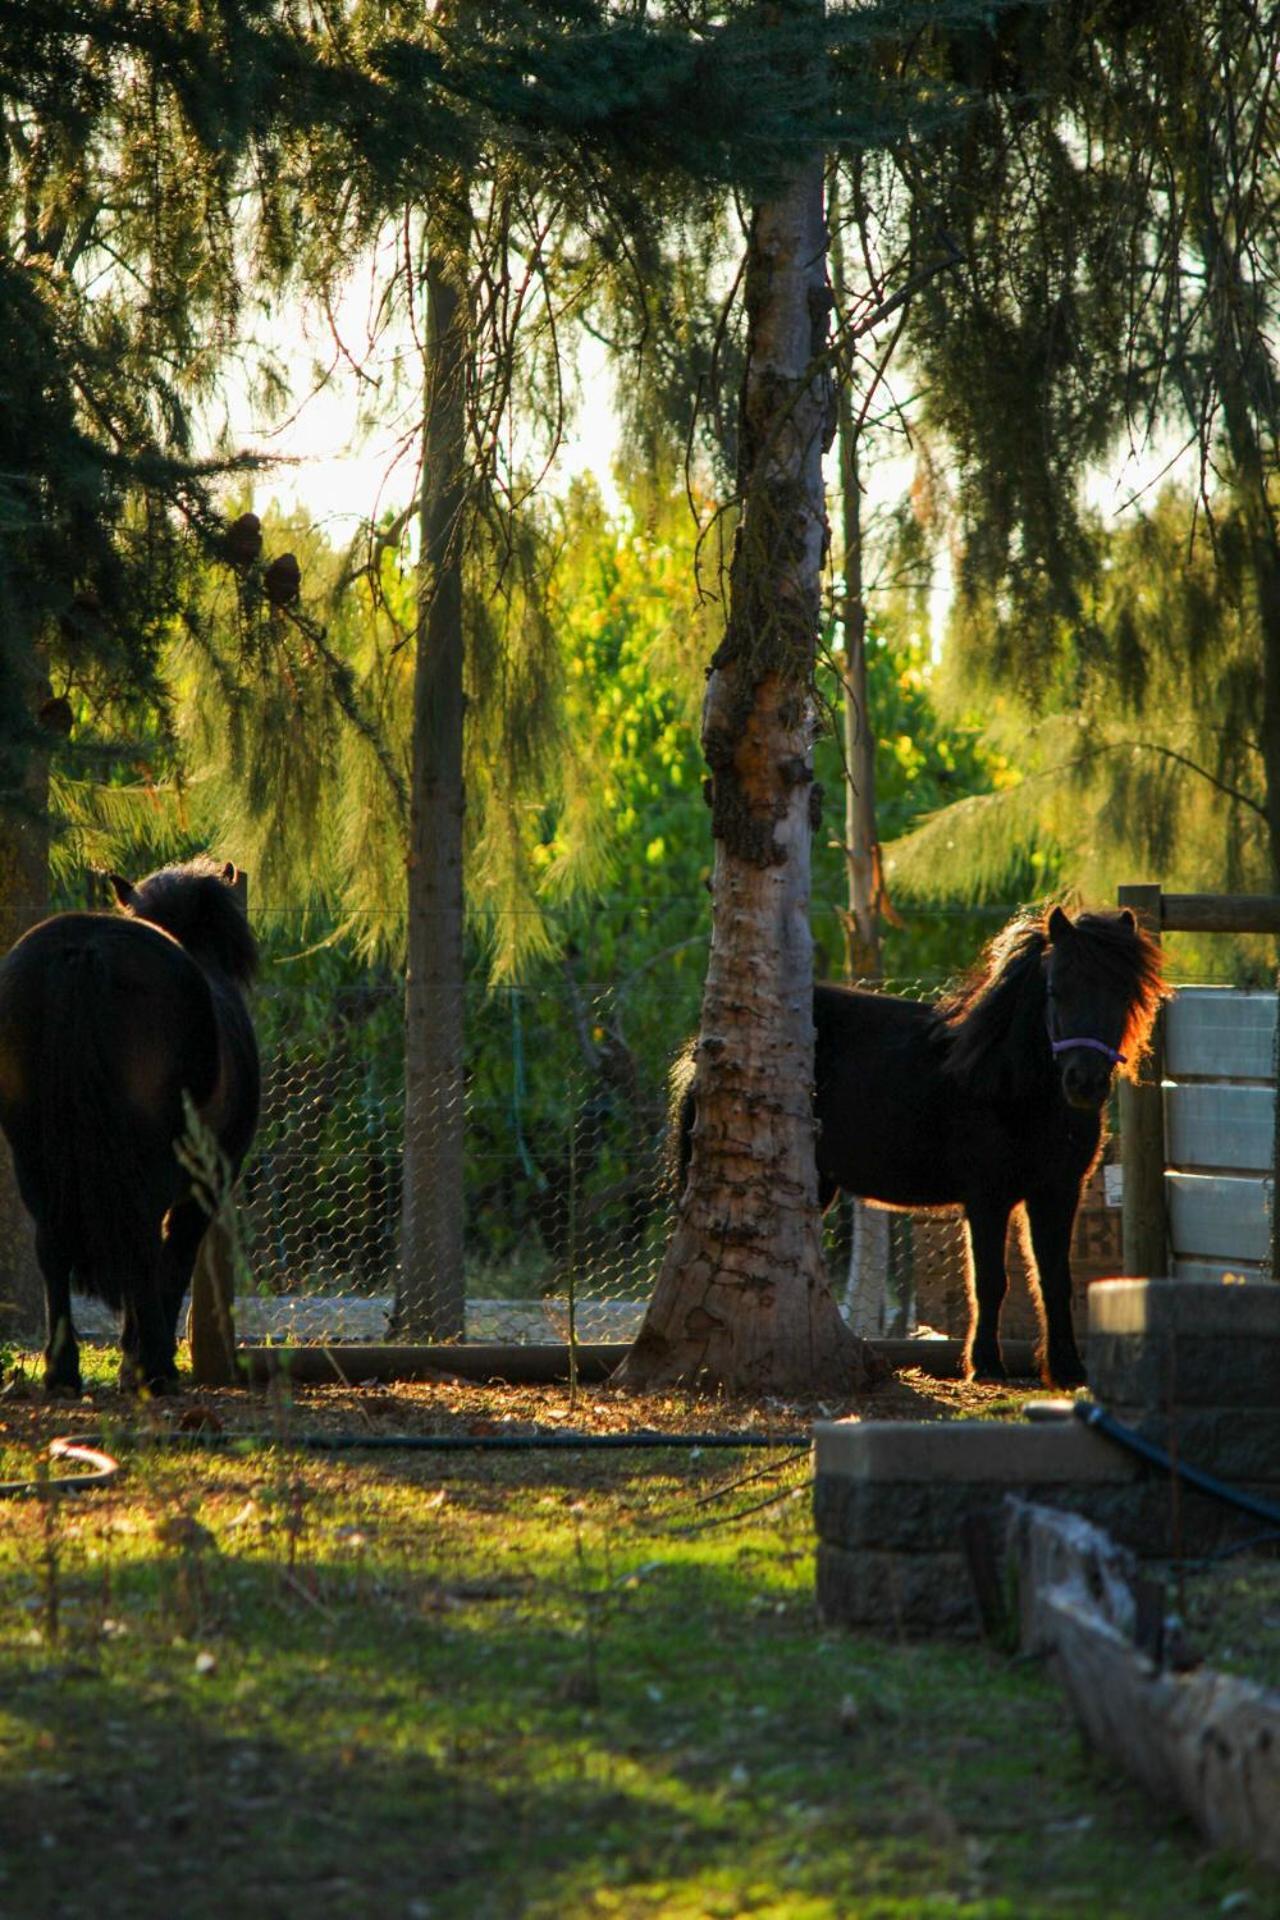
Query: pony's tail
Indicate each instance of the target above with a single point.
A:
(681, 1113)
(92, 1166)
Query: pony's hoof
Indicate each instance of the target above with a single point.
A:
(136, 1379)
(64, 1389)
(1065, 1374)
(986, 1366)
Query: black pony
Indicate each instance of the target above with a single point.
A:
(106, 1021)
(990, 1099)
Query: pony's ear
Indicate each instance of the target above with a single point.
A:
(1060, 928)
(123, 890)
(1128, 918)
(229, 873)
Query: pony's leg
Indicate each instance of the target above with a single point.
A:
(988, 1230)
(1051, 1216)
(148, 1362)
(186, 1227)
(61, 1354)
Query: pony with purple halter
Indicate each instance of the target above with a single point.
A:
(993, 1100)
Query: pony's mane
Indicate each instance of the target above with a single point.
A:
(1121, 951)
(989, 1020)
(994, 1022)
(194, 903)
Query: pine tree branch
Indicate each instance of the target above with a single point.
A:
(1163, 752)
(849, 333)
(343, 687)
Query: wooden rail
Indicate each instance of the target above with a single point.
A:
(1142, 1151)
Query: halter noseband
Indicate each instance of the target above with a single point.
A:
(1097, 1046)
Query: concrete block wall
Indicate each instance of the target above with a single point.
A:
(1193, 1365)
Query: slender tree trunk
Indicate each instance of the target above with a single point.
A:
(430, 1304)
(741, 1302)
(868, 1284)
(24, 900)
(1251, 413)
(861, 920)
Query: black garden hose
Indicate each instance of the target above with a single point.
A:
(107, 1469)
(561, 1441)
(1110, 1428)
(104, 1468)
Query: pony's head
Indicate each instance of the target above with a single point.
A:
(1103, 987)
(1083, 992)
(197, 904)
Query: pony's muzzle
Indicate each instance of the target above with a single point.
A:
(1086, 1081)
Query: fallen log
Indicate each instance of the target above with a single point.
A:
(1208, 1742)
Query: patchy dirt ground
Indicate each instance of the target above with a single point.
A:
(28, 1418)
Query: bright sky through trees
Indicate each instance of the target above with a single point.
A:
(347, 441)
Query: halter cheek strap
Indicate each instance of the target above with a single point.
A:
(1096, 1046)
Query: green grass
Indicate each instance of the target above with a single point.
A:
(566, 1685)
(1233, 1613)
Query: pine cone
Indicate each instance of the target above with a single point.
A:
(83, 619)
(283, 580)
(55, 715)
(242, 542)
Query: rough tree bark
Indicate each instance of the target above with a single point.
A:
(431, 1298)
(24, 899)
(741, 1302)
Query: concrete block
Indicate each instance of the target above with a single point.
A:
(1165, 1522)
(911, 1518)
(1237, 1444)
(1172, 1368)
(1004, 1454)
(1184, 1307)
(896, 1593)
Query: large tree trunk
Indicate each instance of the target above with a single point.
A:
(431, 1300)
(24, 899)
(741, 1302)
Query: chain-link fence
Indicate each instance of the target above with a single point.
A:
(565, 1203)
(566, 1199)
(561, 1130)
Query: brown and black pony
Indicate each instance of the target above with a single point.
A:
(991, 1099)
(106, 1022)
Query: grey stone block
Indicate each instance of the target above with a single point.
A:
(1005, 1454)
(896, 1593)
(911, 1518)
(908, 1573)
(1159, 1521)
(1168, 1368)
(1184, 1306)
(1236, 1443)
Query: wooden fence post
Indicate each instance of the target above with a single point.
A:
(211, 1326)
(1143, 1220)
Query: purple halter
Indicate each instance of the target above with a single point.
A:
(1098, 1046)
